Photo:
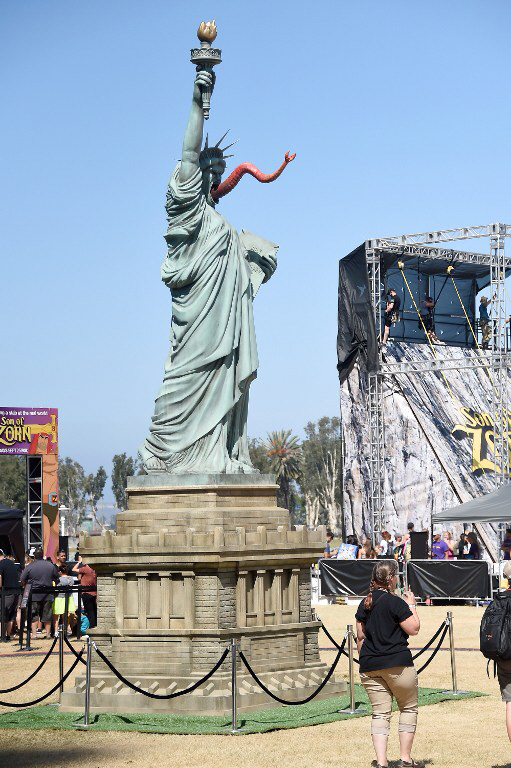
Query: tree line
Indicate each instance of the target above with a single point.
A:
(308, 473)
(78, 491)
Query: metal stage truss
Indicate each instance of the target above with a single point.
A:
(34, 528)
(497, 361)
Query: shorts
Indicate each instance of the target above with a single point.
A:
(42, 609)
(504, 678)
(10, 605)
(59, 606)
(389, 319)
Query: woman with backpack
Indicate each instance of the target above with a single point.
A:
(384, 623)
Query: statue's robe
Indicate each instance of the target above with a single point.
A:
(199, 422)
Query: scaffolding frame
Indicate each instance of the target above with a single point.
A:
(34, 528)
(498, 360)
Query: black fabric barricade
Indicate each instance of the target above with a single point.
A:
(11, 526)
(346, 577)
(449, 578)
(356, 335)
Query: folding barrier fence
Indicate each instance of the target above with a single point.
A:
(454, 579)
(346, 577)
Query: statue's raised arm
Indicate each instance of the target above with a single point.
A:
(192, 142)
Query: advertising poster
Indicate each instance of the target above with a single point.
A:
(34, 432)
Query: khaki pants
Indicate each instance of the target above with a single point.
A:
(383, 684)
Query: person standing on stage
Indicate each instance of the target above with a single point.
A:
(484, 321)
(384, 623)
(427, 321)
(391, 316)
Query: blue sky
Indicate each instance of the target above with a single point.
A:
(399, 113)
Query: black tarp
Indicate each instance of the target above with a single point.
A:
(449, 578)
(11, 526)
(346, 577)
(356, 334)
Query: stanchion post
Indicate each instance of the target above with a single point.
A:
(29, 623)
(3, 628)
(453, 656)
(86, 723)
(66, 611)
(234, 686)
(79, 613)
(455, 691)
(350, 636)
(61, 657)
(21, 629)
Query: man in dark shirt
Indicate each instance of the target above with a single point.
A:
(9, 581)
(391, 315)
(427, 321)
(42, 575)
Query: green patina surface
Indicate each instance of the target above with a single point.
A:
(313, 713)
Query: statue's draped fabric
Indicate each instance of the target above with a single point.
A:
(199, 422)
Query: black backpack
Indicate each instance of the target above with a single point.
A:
(495, 632)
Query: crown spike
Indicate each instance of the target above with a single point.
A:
(206, 142)
(225, 156)
(223, 137)
(229, 145)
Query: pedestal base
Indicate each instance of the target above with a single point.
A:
(192, 566)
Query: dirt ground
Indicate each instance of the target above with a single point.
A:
(461, 734)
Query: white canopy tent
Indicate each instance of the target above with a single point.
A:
(493, 507)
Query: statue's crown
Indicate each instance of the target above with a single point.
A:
(208, 153)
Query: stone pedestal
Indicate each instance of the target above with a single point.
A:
(196, 561)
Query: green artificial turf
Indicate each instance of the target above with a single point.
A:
(276, 718)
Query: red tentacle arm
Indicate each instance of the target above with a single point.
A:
(228, 185)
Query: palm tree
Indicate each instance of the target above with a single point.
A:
(285, 458)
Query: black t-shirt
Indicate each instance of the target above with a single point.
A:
(396, 303)
(9, 573)
(386, 644)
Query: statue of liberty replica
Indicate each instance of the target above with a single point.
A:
(203, 559)
(213, 272)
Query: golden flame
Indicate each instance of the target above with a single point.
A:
(207, 31)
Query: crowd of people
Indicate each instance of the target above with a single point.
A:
(399, 546)
(48, 608)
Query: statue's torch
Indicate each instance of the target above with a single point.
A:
(206, 57)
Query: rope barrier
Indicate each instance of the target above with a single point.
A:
(156, 695)
(443, 626)
(284, 701)
(42, 698)
(73, 650)
(428, 662)
(30, 677)
(327, 633)
(430, 642)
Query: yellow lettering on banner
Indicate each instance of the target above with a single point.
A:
(482, 441)
(467, 414)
